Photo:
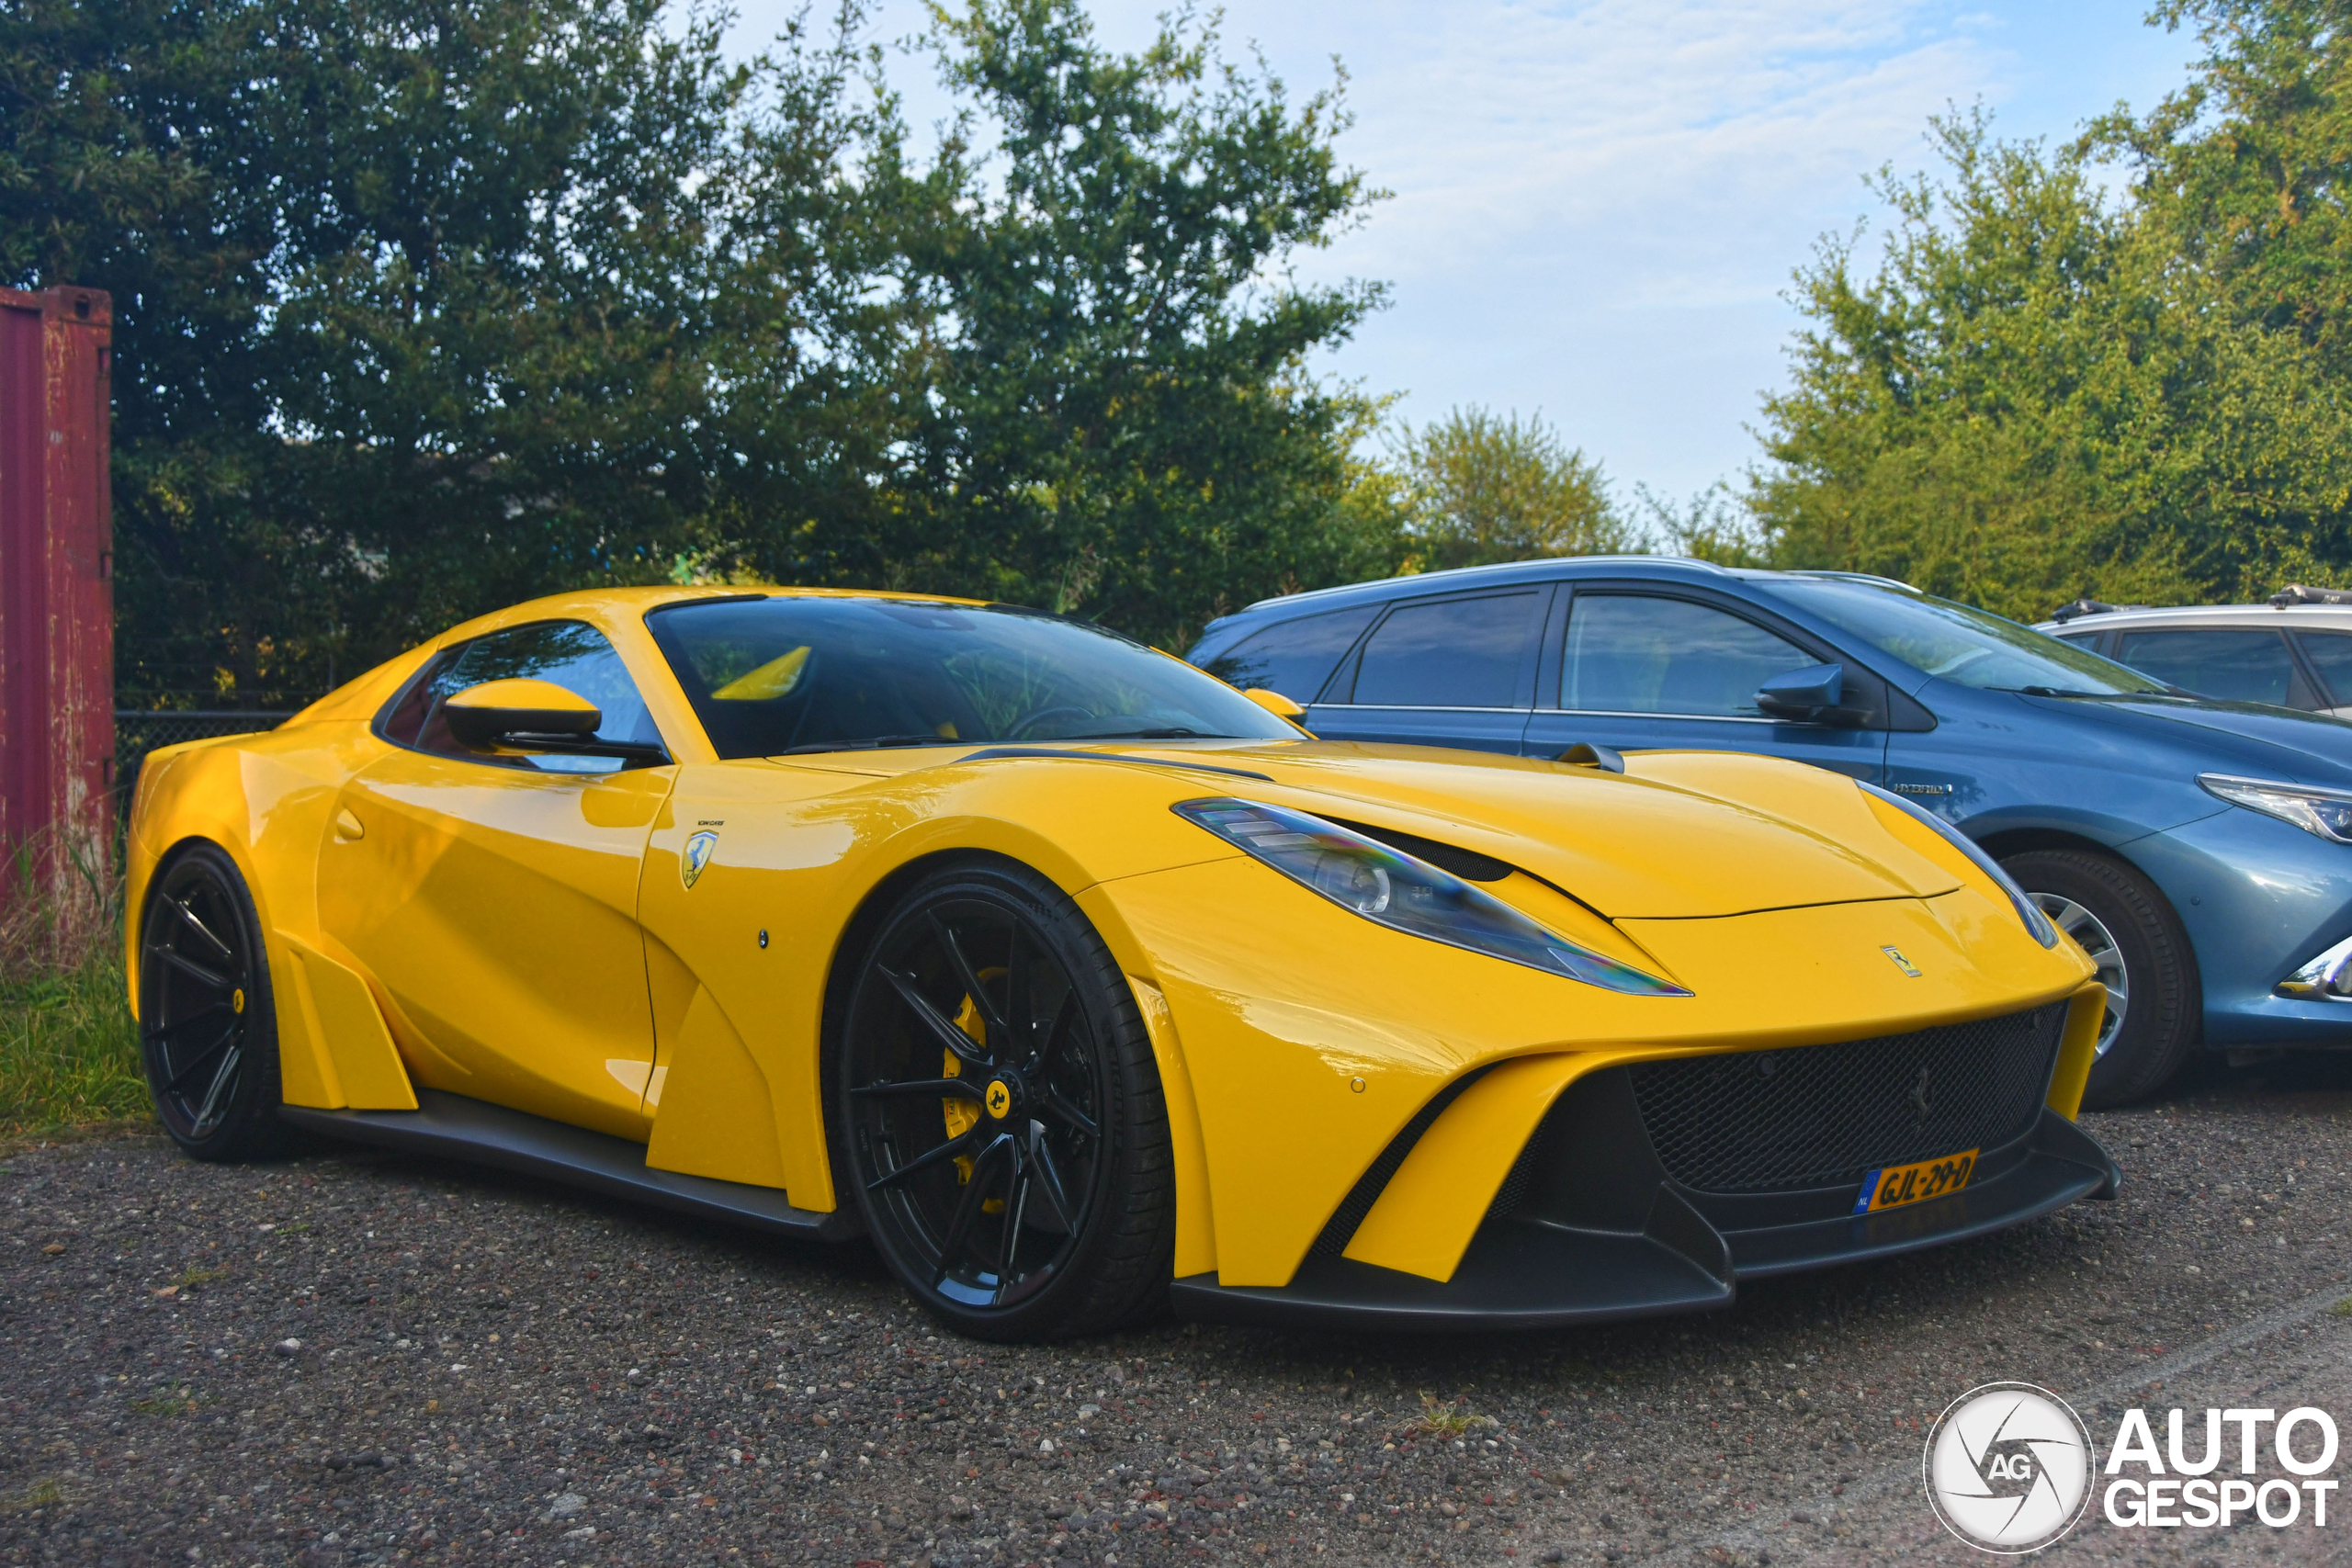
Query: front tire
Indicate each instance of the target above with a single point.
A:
(998, 1113)
(208, 1017)
(2129, 930)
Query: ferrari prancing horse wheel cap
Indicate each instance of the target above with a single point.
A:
(999, 1099)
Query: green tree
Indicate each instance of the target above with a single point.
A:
(2036, 395)
(425, 309)
(1119, 420)
(1486, 487)
(421, 310)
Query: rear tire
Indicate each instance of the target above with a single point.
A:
(208, 1017)
(2126, 925)
(998, 1113)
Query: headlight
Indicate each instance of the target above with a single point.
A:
(2326, 812)
(1407, 895)
(2035, 920)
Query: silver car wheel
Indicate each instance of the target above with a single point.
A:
(2091, 935)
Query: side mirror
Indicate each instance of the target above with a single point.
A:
(536, 715)
(482, 717)
(1274, 703)
(1806, 696)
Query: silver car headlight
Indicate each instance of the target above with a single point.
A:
(2324, 812)
(1395, 890)
(2035, 922)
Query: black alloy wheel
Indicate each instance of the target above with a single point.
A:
(999, 1110)
(207, 1021)
(2154, 1001)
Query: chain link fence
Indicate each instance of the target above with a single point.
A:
(139, 731)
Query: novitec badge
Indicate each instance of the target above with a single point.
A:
(2008, 1467)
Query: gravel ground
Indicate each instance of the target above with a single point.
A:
(350, 1357)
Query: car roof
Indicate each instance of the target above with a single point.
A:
(1549, 568)
(2331, 616)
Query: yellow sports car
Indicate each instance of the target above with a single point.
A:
(1077, 980)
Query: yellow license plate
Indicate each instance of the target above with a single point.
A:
(1899, 1184)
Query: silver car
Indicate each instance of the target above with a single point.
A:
(2293, 652)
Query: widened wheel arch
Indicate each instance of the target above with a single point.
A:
(1096, 1251)
(213, 1066)
(138, 908)
(858, 933)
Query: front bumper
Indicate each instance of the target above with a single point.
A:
(1638, 1243)
(2260, 898)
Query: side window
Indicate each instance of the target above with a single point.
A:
(567, 653)
(2080, 639)
(1640, 653)
(1462, 653)
(1294, 658)
(2236, 666)
(2331, 655)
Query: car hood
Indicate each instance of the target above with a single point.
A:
(1759, 834)
(2286, 743)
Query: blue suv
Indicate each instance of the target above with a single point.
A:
(2191, 847)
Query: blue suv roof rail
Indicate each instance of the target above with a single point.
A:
(1463, 574)
(1862, 577)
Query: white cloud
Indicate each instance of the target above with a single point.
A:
(1597, 205)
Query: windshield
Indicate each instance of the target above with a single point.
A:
(1955, 643)
(771, 677)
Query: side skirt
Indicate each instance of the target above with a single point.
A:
(452, 1126)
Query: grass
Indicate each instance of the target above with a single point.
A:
(1438, 1419)
(45, 1493)
(164, 1402)
(69, 1050)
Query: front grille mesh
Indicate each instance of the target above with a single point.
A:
(1818, 1116)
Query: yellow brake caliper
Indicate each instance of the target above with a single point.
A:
(962, 1114)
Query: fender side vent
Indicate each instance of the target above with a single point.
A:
(1340, 1228)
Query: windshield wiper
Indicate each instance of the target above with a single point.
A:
(877, 740)
(2066, 692)
(1173, 732)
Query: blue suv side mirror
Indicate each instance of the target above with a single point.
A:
(1809, 695)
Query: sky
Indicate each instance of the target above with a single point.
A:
(1598, 207)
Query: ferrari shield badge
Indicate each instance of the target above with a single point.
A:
(1895, 953)
(700, 849)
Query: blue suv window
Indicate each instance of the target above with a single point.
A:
(1641, 653)
(2247, 666)
(1451, 653)
(1294, 658)
(2331, 655)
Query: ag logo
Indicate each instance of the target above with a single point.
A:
(2009, 1468)
(699, 851)
(999, 1099)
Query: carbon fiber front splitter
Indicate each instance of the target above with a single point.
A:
(1683, 1252)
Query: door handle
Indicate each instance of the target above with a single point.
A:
(348, 829)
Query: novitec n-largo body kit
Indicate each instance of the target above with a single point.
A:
(1075, 978)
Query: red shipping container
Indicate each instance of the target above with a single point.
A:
(56, 591)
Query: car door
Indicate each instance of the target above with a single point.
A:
(2239, 664)
(1641, 666)
(1449, 670)
(493, 898)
